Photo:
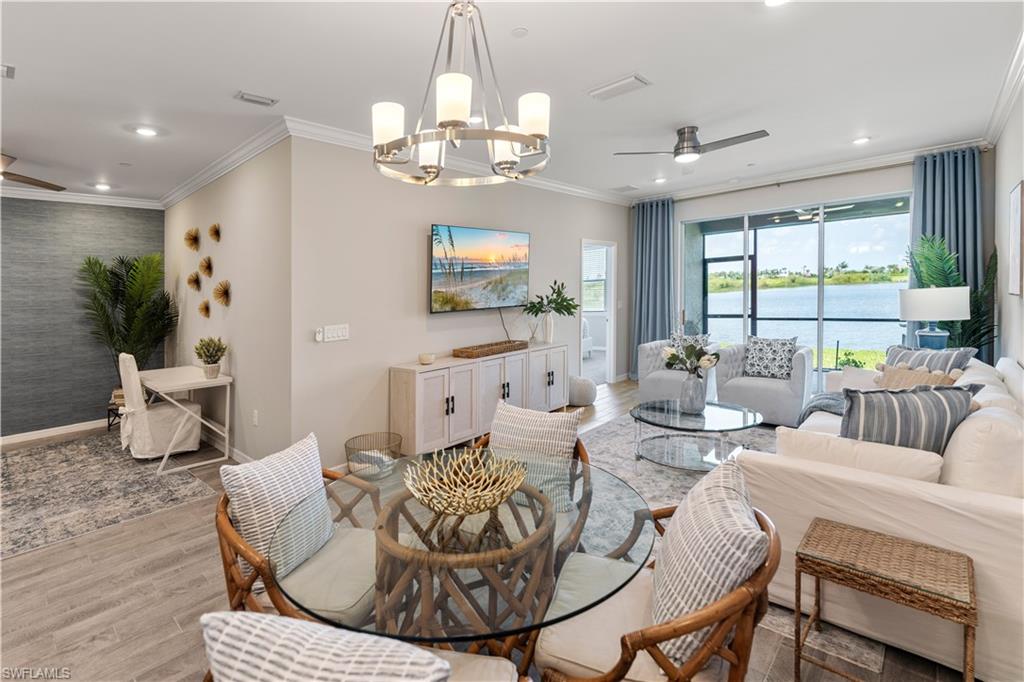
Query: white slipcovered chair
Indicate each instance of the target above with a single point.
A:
(658, 383)
(586, 340)
(780, 401)
(148, 429)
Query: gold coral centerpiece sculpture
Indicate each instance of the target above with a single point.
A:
(192, 238)
(461, 484)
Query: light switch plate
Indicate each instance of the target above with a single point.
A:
(335, 332)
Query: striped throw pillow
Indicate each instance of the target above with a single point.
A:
(256, 647)
(712, 546)
(916, 358)
(923, 417)
(545, 441)
(261, 494)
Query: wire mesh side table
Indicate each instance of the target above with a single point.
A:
(373, 454)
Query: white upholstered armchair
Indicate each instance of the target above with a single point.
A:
(658, 383)
(779, 401)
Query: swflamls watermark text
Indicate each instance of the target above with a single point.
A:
(40, 673)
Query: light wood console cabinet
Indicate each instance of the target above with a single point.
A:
(453, 400)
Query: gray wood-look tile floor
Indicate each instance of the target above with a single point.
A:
(123, 603)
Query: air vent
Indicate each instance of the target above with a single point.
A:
(632, 82)
(6, 71)
(256, 99)
(625, 188)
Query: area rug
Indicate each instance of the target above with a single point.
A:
(55, 492)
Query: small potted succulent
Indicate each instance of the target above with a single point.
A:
(557, 302)
(210, 351)
(694, 360)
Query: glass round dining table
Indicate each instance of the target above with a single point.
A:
(365, 555)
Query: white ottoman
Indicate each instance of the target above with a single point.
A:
(582, 391)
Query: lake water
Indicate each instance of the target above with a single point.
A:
(849, 300)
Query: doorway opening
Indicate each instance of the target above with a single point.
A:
(597, 311)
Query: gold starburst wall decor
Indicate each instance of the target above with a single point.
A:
(215, 232)
(194, 281)
(222, 293)
(192, 238)
(204, 308)
(206, 266)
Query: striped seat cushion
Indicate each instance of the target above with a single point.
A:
(916, 358)
(712, 546)
(545, 441)
(263, 492)
(923, 417)
(254, 647)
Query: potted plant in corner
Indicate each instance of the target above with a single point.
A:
(555, 303)
(210, 351)
(694, 360)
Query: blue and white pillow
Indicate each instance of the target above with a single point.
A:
(771, 358)
(681, 341)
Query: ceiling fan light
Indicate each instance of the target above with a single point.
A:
(388, 121)
(535, 113)
(687, 157)
(146, 131)
(454, 93)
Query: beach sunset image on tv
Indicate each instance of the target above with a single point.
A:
(473, 268)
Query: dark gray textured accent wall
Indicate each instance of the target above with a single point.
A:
(52, 372)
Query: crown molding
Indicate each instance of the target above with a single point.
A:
(261, 141)
(810, 173)
(1008, 92)
(8, 191)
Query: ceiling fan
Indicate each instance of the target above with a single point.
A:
(24, 179)
(688, 148)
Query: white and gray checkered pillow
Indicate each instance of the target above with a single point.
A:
(771, 358)
(712, 546)
(545, 441)
(254, 647)
(263, 492)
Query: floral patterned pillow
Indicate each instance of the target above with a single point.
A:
(681, 341)
(772, 358)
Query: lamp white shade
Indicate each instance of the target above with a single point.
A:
(507, 152)
(535, 113)
(388, 122)
(935, 304)
(454, 93)
(430, 154)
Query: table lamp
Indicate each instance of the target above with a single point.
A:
(933, 304)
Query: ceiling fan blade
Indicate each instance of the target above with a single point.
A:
(641, 153)
(730, 141)
(6, 161)
(25, 180)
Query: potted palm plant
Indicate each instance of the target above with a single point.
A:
(555, 303)
(127, 305)
(210, 351)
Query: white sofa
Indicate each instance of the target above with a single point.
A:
(957, 513)
(658, 383)
(779, 401)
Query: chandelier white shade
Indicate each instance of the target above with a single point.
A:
(465, 81)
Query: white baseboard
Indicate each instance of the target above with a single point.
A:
(217, 441)
(67, 430)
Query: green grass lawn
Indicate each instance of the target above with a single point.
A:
(733, 281)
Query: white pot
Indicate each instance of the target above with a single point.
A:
(211, 371)
(549, 328)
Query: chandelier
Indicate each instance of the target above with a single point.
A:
(513, 151)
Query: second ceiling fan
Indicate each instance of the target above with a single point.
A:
(689, 148)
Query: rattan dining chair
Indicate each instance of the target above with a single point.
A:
(731, 621)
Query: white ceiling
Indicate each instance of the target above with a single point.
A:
(815, 75)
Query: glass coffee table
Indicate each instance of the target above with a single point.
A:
(700, 442)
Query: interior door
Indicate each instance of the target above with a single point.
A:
(431, 407)
(492, 383)
(462, 390)
(515, 377)
(557, 359)
(537, 382)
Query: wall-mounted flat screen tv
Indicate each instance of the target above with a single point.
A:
(473, 268)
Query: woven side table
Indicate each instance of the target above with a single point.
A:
(924, 577)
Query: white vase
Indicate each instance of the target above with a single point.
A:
(549, 328)
(211, 371)
(692, 397)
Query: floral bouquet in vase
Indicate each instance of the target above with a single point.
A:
(694, 360)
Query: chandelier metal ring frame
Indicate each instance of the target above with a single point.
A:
(394, 157)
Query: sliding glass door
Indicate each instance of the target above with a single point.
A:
(827, 274)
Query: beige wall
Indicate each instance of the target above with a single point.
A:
(360, 255)
(253, 205)
(1009, 171)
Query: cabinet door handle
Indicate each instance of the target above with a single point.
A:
(447, 406)
(453, 404)
(551, 378)
(508, 390)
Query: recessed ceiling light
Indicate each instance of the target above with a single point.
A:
(146, 131)
(476, 119)
(688, 157)
(862, 140)
(775, 3)
(520, 32)
(102, 186)
(658, 181)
